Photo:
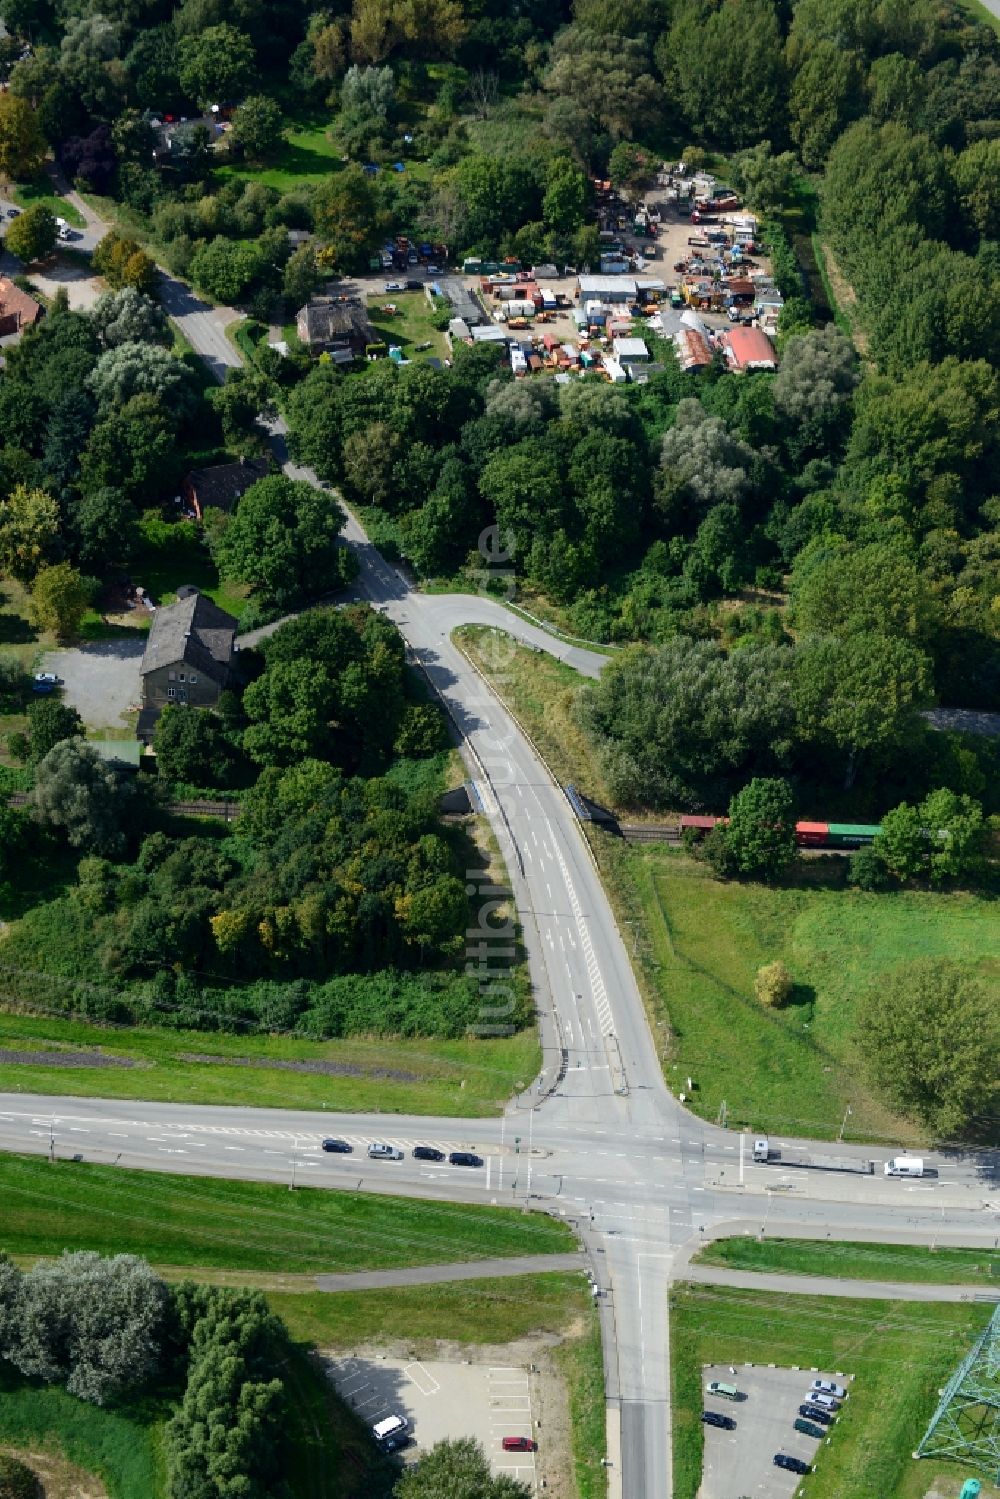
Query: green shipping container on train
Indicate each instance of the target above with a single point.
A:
(854, 832)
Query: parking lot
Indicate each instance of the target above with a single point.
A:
(101, 681)
(443, 1399)
(740, 1462)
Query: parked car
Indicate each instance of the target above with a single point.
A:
(391, 1432)
(48, 677)
(791, 1464)
(716, 1418)
(338, 1147)
(809, 1428)
(826, 1402)
(829, 1387)
(718, 1387)
(465, 1158)
(393, 286)
(427, 1153)
(378, 1150)
(519, 1444)
(816, 1413)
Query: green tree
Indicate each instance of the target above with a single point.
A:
(138, 369)
(766, 180)
(773, 984)
(565, 199)
(977, 178)
(49, 723)
(29, 529)
(192, 746)
(283, 542)
(127, 316)
(956, 834)
(217, 64)
(60, 598)
(727, 65)
(760, 834)
(106, 529)
(22, 143)
(76, 791)
(826, 95)
(901, 843)
(631, 168)
(344, 211)
(608, 78)
(122, 262)
(860, 694)
(32, 235)
(457, 1469)
(258, 126)
(225, 269)
(928, 1036)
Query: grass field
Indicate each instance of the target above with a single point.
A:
(170, 556)
(120, 1446)
(206, 1221)
(895, 1262)
(18, 636)
(306, 156)
(900, 1353)
(699, 941)
(473, 1078)
(411, 325)
(41, 191)
(703, 941)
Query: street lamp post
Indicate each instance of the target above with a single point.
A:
(295, 1146)
(52, 1140)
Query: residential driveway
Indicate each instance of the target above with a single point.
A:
(741, 1462)
(101, 680)
(444, 1400)
(82, 288)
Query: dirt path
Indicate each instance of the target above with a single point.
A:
(59, 1478)
(845, 298)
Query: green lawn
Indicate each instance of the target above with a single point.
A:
(306, 156)
(204, 1221)
(889, 1262)
(27, 194)
(900, 1353)
(703, 940)
(411, 325)
(18, 636)
(120, 1446)
(468, 1077)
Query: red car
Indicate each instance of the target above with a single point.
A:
(518, 1444)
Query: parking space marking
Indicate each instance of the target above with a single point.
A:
(422, 1378)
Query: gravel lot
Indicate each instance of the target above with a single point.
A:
(82, 288)
(101, 680)
(740, 1462)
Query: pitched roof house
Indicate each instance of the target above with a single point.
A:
(327, 321)
(748, 349)
(18, 310)
(223, 484)
(188, 656)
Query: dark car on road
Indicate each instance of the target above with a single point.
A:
(338, 1147)
(465, 1158)
(716, 1418)
(809, 1428)
(790, 1464)
(427, 1153)
(817, 1413)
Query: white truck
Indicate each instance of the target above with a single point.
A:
(904, 1165)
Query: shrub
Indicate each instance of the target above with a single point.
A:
(867, 870)
(773, 985)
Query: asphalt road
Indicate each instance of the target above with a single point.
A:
(598, 1139)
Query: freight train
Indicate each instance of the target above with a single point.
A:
(807, 834)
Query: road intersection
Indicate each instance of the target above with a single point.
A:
(599, 1139)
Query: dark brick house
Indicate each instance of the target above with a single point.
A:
(188, 656)
(222, 485)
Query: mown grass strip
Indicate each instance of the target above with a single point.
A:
(914, 1263)
(180, 1220)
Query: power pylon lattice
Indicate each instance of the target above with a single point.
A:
(966, 1424)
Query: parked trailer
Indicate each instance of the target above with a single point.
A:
(849, 1163)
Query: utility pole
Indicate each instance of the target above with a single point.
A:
(52, 1140)
(295, 1146)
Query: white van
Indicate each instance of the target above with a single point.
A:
(904, 1165)
(761, 1148)
(391, 1431)
(63, 229)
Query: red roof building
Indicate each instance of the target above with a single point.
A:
(17, 309)
(748, 349)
